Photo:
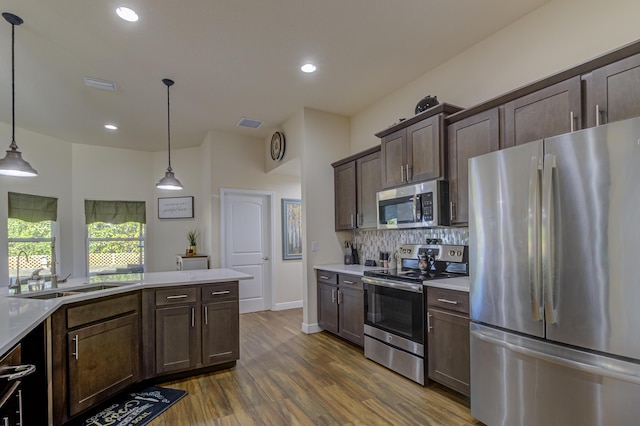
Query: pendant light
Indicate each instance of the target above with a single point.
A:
(13, 164)
(169, 180)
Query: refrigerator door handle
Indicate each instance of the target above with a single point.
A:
(533, 246)
(598, 370)
(548, 243)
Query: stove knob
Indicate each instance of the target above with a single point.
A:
(452, 252)
(459, 253)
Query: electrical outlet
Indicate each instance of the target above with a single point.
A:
(314, 246)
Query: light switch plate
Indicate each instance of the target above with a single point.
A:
(314, 246)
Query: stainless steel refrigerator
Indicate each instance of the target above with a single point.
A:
(555, 280)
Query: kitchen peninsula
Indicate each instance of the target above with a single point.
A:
(105, 333)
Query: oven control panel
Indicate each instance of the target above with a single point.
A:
(440, 252)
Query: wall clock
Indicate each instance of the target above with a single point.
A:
(277, 146)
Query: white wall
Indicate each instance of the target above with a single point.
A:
(238, 162)
(557, 36)
(75, 172)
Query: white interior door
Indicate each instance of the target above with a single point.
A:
(247, 225)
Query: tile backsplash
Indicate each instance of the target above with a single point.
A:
(371, 243)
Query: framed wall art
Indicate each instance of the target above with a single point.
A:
(291, 229)
(175, 208)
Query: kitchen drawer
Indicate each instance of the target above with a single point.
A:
(327, 277)
(351, 281)
(99, 310)
(448, 299)
(220, 292)
(176, 295)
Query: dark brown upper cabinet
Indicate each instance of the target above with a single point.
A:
(550, 111)
(415, 149)
(613, 92)
(356, 182)
(468, 138)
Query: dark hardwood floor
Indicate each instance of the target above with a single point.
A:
(286, 377)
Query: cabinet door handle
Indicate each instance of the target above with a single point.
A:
(339, 297)
(359, 219)
(206, 315)
(5, 421)
(75, 343)
(451, 302)
(452, 210)
(180, 296)
(20, 406)
(599, 113)
(429, 323)
(352, 222)
(193, 317)
(218, 293)
(333, 295)
(348, 282)
(572, 117)
(17, 372)
(401, 173)
(407, 171)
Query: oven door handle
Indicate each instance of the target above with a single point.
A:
(398, 285)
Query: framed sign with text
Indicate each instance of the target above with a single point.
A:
(175, 207)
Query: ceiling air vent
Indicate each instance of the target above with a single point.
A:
(248, 122)
(100, 84)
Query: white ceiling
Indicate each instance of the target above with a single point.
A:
(229, 58)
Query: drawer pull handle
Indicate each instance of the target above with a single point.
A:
(348, 282)
(180, 296)
(322, 277)
(218, 293)
(451, 302)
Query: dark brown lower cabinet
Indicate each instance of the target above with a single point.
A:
(448, 338)
(220, 330)
(11, 392)
(196, 326)
(176, 339)
(104, 358)
(95, 352)
(341, 306)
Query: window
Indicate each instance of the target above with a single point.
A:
(35, 239)
(31, 233)
(115, 236)
(115, 248)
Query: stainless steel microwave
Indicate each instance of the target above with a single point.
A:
(422, 205)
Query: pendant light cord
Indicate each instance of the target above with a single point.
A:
(169, 128)
(13, 145)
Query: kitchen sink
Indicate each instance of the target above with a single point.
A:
(70, 292)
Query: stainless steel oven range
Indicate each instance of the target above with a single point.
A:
(395, 305)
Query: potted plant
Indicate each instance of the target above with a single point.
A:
(192, 236)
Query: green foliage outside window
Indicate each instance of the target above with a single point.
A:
(21, 230)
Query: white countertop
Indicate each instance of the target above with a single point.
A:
(457, 283)
(346, 269)
(20, 315)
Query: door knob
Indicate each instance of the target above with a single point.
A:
(265, 258)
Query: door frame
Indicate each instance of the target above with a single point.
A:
(224, 193)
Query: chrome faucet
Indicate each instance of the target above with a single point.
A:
(16, 285)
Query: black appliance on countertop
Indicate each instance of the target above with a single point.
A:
(395, 304)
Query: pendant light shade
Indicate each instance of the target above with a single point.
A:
(13, 164)
(169, 180)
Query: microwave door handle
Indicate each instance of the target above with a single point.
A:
(418, 209)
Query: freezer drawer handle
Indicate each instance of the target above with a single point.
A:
(575, 365)
(451, 302)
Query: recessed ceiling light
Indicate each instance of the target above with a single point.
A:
(111, 126)
(308, 68)
(127, 14)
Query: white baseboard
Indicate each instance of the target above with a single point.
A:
(288, 305)
(311, 328)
